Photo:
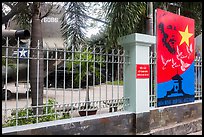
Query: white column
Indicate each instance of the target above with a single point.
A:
(136, 80)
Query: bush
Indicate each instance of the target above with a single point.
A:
(31, 118)
(86, 56)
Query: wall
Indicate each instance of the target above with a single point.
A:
(165, 116)
(122, 123)
(105, 124)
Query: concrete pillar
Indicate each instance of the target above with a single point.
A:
(136, 79)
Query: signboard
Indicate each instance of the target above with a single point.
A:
(175, 58)
(142, 71)
(49, 19)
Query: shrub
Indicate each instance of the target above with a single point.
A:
(31, 118)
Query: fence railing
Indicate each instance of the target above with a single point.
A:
(198, 79)
(152, 83)
(76, 82)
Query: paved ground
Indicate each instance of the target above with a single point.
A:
(66, 96)
(196, 133)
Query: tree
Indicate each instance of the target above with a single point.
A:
(16, 8)
(23, 13)
(36, 66)
(123, 18)
(130, 17)
(188, 9)
(74, 23)
(193, 10)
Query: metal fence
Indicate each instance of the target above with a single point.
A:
(77, 81)
(198, 79)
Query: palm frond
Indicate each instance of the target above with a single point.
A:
(73, 23)
(123, 18)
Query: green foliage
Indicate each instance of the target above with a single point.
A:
(130, 17)
(123, 18)
(73, 23)
(193, 10)
(87, 57)
(3, 61)
(29, 118)
(188, 9)
(24, 17)
(11, 63)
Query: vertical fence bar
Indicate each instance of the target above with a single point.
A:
(38, 63)
(17, 84)
(56, 82)
(87, 79)
(112, 76)
(150, 83)
(200, 78)
(64, 78)
(6, 79)
(155, 78)
(196, 72)
(80, 76)
(47, 76)
(72, 80)
(106, 75)
(28, 81)
(124, 64)
(118, 76)
(100, 80)
(94, 71)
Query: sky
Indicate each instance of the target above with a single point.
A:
(94, 30)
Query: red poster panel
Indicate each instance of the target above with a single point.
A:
(175, 44)
(142, 71)
(175, 58)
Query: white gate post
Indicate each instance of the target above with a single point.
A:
(136, 84)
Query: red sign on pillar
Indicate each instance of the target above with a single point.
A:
(142, 71)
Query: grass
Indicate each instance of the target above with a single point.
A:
(115, 82)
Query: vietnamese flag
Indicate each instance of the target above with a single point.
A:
(175, 55)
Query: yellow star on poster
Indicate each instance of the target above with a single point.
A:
(185, 36)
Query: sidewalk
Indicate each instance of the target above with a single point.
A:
(196, 133)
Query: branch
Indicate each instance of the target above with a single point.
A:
(9, 4)
(6, 18)
(16, 9)
(48, 12)
(90, 17)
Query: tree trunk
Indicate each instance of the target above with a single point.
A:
(36, 65)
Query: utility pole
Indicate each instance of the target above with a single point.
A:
(149, 25)
(150, 31)
(149, 22)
